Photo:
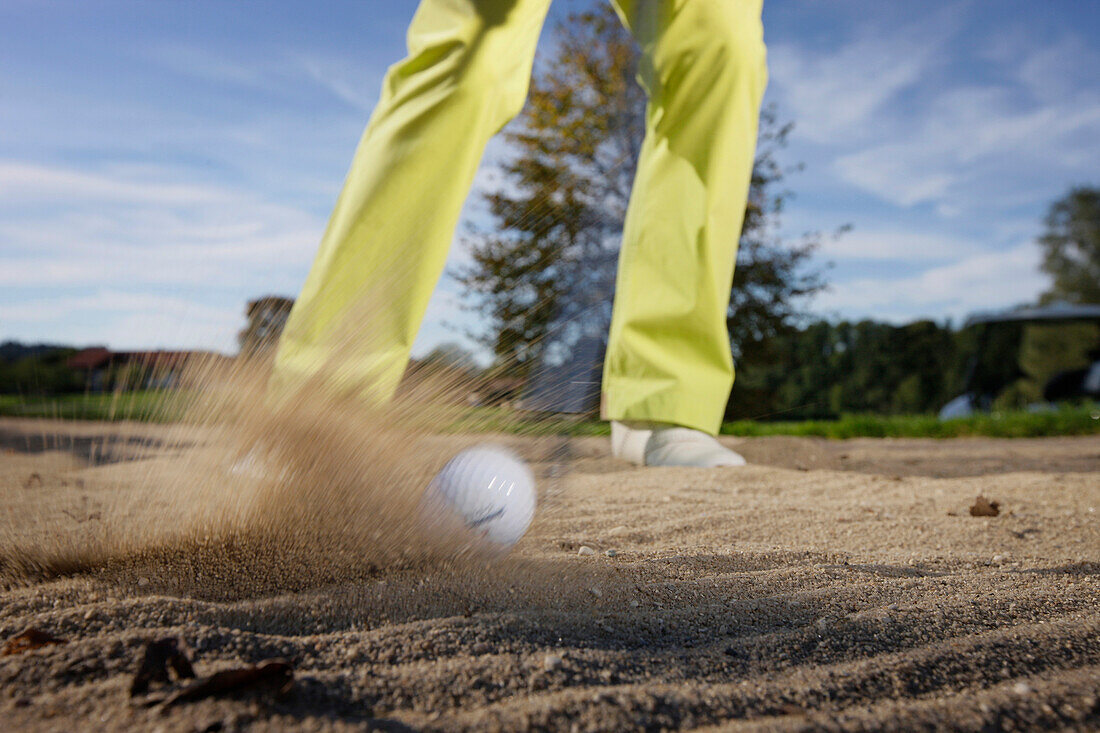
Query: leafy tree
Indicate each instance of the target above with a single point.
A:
(1071, 247)
(266, 319)
(544, 279)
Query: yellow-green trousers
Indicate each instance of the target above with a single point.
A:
(466, 75)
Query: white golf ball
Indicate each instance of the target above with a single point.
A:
(489, 490)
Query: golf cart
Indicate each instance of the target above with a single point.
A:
(990, 373)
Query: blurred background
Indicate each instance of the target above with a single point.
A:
(922, 241)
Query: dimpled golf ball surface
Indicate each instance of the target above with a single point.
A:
(491, 489)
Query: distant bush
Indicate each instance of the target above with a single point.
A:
(38, 370)
(1079, 420)
(140, 405)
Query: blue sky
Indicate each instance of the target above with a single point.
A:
(163, 162)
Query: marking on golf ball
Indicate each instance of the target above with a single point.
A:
(487, 518)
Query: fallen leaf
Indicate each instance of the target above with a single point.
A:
(30, 639)
(983, 507)
(276, 675)
(160, 655)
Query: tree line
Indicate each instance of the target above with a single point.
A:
(825, 370)
(31, 369)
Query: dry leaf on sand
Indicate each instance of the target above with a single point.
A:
(30, 639)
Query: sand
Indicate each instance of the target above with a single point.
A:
(827, 586)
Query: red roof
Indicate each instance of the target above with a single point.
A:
(91, 358)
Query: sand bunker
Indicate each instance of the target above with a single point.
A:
(829, 586)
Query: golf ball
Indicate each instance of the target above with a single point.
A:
(489, 490)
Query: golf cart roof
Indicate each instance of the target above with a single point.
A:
(1060, 311)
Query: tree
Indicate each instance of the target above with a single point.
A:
(544, 278)
(1071, 247)
(266, 320)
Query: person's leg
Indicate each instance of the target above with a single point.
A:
(466, 74)
(668, 358)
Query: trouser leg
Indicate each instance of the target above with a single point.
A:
(465, 76)
(669, 357)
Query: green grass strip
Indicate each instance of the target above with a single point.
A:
(166, 406)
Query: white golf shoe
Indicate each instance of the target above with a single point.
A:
(659, 444)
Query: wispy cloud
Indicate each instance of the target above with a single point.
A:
(283, 72)
(977, 136)
(839, 92)
(27, 183)
(356, 87)
(118, 216)
(943, 141)
(897, 245)
(124, 320)
(981, 281)
(210, 65)
(910, 118)
(1058, 70)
